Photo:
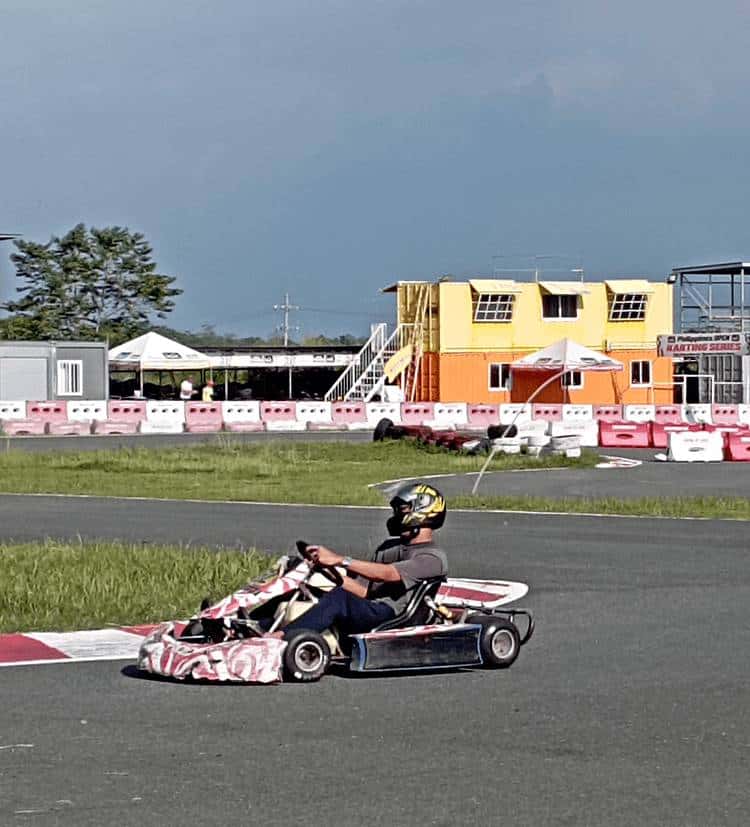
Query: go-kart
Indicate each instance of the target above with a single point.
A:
(447, 623)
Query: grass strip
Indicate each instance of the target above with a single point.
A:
(726, 508)
(332, 473)
(61, 586)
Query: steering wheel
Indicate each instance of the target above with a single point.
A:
(329, 572)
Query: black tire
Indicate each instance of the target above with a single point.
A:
(383, 430)
(499, 641)
(306, 656)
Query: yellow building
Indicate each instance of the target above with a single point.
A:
(466, 334)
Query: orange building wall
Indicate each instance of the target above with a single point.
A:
(464, 377)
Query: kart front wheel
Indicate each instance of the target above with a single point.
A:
(306, 656)
(499, 641)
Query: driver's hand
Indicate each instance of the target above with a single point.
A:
(325, 556)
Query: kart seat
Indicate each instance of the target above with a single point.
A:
(417, 612)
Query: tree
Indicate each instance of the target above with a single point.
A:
(89, 284)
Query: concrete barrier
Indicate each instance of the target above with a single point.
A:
(280, 416)
(660, 432)
(724, 414)
(695, 446)
(448, 415)
(697, 413)
(624, 434)
(578, 413)
(241, 416)
(383, 410)
(203, 417)
(608, 413)
(669, 414)
(638, 413)
(12, 410)
(164, 417)
(349, 415)
(480, 416)
(90, 411)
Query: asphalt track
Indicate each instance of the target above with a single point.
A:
(629, 706)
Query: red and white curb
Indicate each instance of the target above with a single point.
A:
(34, 648)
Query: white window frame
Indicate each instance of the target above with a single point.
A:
(70, 377)
(503, 368)
(628, 307)
(494, 307)
(642, 384)
(559, 297)
(568, 380)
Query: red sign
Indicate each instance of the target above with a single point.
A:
(694, 344)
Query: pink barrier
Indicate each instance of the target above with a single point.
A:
(109, 428)
(660, 431)
(668, 415)
(68, 428)
(552, 413)
(725, 414)
(728, 431)
(203, 417)
(624, 434)
(126, 411)
(278, 411)
(244, 426)
(344, 414)
(738, 447)
(47, 411)
(608, 413)
(482, 416)
(415, 413)
(24, 427)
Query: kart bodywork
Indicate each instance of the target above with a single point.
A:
(448, 623)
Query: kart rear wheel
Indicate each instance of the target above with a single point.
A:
(306, 656)
(499, 641)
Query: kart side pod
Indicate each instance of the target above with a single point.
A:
(425, 647)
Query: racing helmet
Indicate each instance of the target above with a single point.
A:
(415, 506)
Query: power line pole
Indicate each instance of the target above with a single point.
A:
(286, 307)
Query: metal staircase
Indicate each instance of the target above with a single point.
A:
(365, 377)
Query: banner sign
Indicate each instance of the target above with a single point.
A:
(398, 363)
(694, 344)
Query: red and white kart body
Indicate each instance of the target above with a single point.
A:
(222, 643)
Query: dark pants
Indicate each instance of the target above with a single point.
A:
(349, 613)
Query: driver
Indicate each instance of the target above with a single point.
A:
(373, 592)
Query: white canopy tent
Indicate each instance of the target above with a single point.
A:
(152, 351)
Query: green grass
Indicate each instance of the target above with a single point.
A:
(727, 508)
(61, 586)
(326, 473)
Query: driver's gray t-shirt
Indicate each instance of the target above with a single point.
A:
(415, 563)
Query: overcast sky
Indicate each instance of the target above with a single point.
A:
(332, 147)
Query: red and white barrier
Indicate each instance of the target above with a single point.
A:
(351, 416)
(668, 414)
(241, 416)
(695, 446)
(549, 413)
(383, 410)
(738, 447)
(449, 415)
(481, 416)
(587, 432)
(724, 415)
(203, 417)
(743, 414)
(280, 416)
(608, 413)
(417, 413)
(578, 413)
(12, 410)
(697, 413)
(315, 415)
(164, 418)
(660, 432)
(624, 434)
(513, 411)
(638, 413)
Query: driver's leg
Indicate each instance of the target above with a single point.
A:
(351, 613)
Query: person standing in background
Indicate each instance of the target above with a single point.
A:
(208, 391)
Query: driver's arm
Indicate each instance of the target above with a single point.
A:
(378, 572)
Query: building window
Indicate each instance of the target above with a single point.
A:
(69, 377)
(627, 307)
(640, 374)
(494, 307)
(559, 307)
(573, 379)
(499, 376)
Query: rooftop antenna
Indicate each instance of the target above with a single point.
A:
(285, 327)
